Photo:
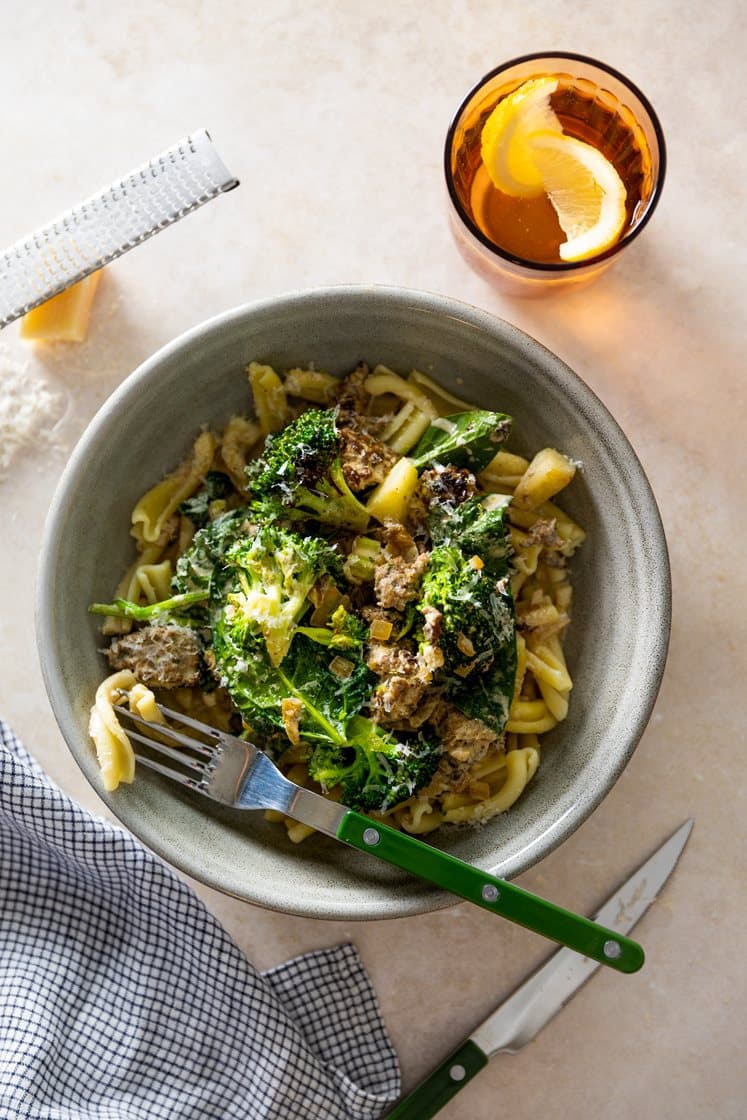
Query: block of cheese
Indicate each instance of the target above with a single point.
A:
(64, 318)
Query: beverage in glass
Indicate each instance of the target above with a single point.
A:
(516, 240)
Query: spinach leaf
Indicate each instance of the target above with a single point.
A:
(465, 439)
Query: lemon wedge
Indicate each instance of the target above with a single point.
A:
(504, 147)
(585, 190)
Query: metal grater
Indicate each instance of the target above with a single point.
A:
(106, 225)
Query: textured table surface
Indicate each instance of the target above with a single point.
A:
(333, 117)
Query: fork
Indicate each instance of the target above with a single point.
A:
(234, 772)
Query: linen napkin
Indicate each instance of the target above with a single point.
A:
(122, 998)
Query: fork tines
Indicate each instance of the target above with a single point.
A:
(162, 739)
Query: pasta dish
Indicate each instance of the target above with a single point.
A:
(362, 579)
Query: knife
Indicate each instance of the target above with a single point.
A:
(535, 1002)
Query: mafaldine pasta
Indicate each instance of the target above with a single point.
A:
(362, 578)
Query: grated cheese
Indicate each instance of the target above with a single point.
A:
(31, 410)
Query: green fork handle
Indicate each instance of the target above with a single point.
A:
(441, 1085)
(497, 895)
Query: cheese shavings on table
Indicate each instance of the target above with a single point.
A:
(31, 408)
(121, 995)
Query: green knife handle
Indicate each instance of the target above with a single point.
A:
(497, 895)
(438, 1089)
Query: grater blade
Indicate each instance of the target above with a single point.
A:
(106, 225)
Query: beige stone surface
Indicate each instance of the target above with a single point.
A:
(333, 115)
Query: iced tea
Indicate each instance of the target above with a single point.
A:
(521, 236)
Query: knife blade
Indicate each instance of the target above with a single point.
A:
(539, 998)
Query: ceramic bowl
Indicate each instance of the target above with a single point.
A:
(616, 645)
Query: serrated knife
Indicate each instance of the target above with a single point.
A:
(535, 1002)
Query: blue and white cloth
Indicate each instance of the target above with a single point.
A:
(122, 998)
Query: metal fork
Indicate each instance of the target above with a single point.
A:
(237, 773)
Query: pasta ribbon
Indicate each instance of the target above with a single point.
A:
(156, 506)
(270, 401)
(530, 717)
(155, 580)
(547, 662)
(503, 473)
(113, 748)
(410, 432)
(142, 702)
(311, 385)
(131, 588)
(567, 529)
(239, 438)
(521, 766)
(406, 427)
(419, 817)
(526, 552)
(446, 403)
(547, 474)
(384, 380)
(556, 702)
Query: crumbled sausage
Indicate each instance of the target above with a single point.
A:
(465, 740)
(352, 398)
(384, 660)
(545, 532)
(432, 624)
(365, 460)
(401, 688)
(397, 581)
(160, 656)
(399, 572)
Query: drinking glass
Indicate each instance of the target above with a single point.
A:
(594, 103)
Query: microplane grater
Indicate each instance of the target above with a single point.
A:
(95, 232)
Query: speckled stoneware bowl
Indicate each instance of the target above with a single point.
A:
(617, 641)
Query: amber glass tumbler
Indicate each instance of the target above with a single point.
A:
(596, 104)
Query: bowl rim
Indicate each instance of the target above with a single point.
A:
(390, 297)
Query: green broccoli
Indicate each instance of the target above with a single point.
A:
(274, 572)
(144, 612)
(200, 572)
(375, 770)
(344, 631)
(301, 473)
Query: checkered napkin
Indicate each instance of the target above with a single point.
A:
(122, 998)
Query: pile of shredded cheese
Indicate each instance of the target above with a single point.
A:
(31, 409)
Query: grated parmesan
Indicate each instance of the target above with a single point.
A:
(31, 409)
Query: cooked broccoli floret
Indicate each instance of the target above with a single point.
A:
(374, 770)
(274, 572)
(144, 612)
(301, 471)
(344, 631)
